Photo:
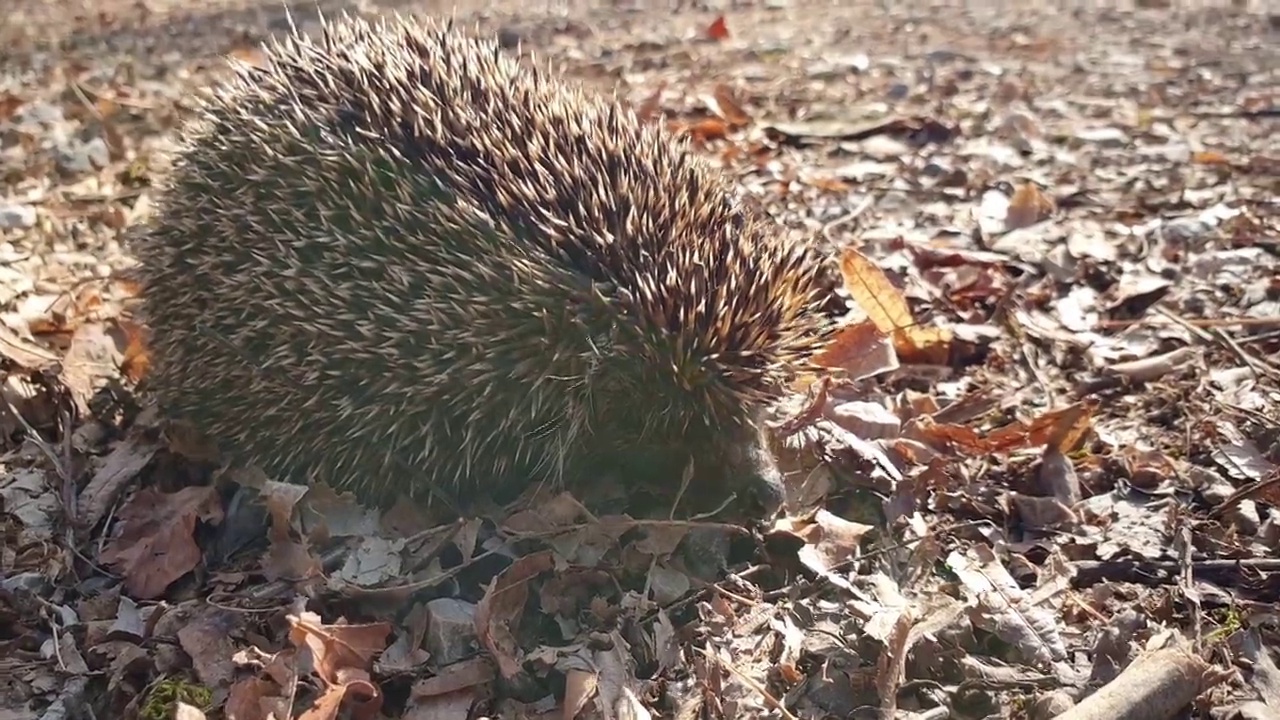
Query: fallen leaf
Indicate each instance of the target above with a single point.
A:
(1064, 428)
(154, 544)
(136, 361)
(1028, 206)
(1209, 157)
(861, 350)
(883, 303)
(500, 611)
(887, 308)
(704, 130)
(725, 104)
(648, 109)
(718, 29)
(342, 656)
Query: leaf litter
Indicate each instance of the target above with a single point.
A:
(1041, 480)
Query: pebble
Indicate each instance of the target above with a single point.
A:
(79, 158)
(451, 630)
(16, 217)
(1107, 137)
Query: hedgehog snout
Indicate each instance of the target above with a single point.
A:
(759, 478)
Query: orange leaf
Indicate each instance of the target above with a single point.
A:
(947, 436)
(1028, 206)
(1209, 157)
(1063, 429)
(919, 345)
(707, 129)
(879, 299)
(9, 104)
(861, 350)
(828, 184)
(136, 361)
(886, 306)
(250, 55)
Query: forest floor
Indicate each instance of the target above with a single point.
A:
(1052, 491)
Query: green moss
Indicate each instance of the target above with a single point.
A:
(165, 694)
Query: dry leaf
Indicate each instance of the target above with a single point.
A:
(136, 361)
(1028, 206)
(718, 29)
(462, 675)
(887, 307)
(1002, 607)
(918, 345)
(499, 612)
(155, 543)
(875, 294)
(580, 686)
(648, 109)
(705, 130)
(861, 350)
(725, 104)
(1209, 157)
(342, 655)
(947, 437)
(1064, 428)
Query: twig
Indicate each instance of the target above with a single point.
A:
(1218, 337)
(1248, 491)
(1089, 572)
(847, 218)
(1154, 686)
(769, 699)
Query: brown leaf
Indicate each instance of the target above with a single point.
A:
(326, 706)
(948, 437)
(887, 307)
(705, 130)
(829, 184)
(1028, 206)
(1064, 428)
(861, 350)
(9, 104)
(580, 687)
(249, 54)
(92, 360)
(127, 459)
(24, 353)
(830, 539)
(461, 675)
(207, 640)
(155, 544)
(342, 655)
(725, 104)
(648, 110)
(287, 557)
(500, 611)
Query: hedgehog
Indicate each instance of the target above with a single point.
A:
(397, 260)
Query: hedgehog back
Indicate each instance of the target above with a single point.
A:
(393, 251)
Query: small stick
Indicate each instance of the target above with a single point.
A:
(1154, 687)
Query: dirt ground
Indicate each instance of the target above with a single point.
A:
(1051, 491)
